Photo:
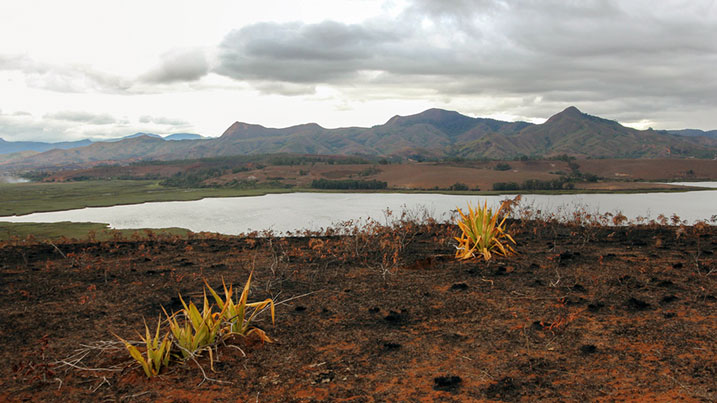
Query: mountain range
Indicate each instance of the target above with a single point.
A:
(9, 147)
(434, 133)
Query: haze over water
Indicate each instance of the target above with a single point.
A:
(12, 179)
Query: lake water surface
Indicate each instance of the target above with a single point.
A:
(296, 211)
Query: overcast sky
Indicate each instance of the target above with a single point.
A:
(75, 69)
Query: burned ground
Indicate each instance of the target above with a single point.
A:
(581, 313)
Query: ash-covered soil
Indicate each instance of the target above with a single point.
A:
(581, 313)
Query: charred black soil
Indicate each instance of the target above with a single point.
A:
(598, 313)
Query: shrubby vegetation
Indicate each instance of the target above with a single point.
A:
(344, 184)
(536, 184)
(506, 186)
(267, 159)
(192, 179)
(565, 182)
(372, 170)
(458, 186)
(290, 159)
(36, 176)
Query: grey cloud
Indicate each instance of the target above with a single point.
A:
(600, 52)
(284, 88)
(82, 117)
(301, 53)
(461, 14)
(598, 28)
(178, 66)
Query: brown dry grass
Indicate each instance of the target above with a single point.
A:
(617, 174)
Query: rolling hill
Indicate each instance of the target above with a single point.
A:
(9, 147)
(434, 133)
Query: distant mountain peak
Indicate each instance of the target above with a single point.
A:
(450, 122)
(569, 114)
(571, 110)
(141, 134)
(311, 125)
(238, 127)
(429, 115)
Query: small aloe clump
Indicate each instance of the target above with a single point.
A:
(482, 235)
(157, 353)
(199, 330)
(236, 315)
(193, 331)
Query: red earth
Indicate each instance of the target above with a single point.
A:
(586, 313)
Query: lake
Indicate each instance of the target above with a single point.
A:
(296, 211)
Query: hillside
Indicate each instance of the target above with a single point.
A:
(578, 134)
(432, 134)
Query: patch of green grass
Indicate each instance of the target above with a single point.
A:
(26, 198)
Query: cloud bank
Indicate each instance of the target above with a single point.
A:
(640, 61)
(622, 58)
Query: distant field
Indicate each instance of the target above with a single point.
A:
(621, 175)
(652, 170)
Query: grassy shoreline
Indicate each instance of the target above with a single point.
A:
(27, 198)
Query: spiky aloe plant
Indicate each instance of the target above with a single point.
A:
(481, 234)
(199, 330)
(157, 354)
(236, 314)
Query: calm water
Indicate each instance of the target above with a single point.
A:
(295, 211)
